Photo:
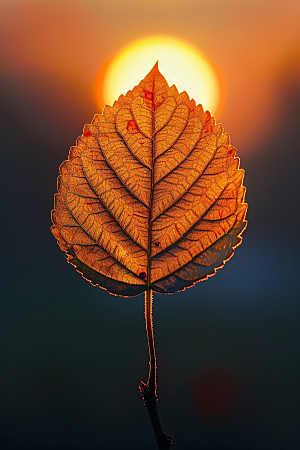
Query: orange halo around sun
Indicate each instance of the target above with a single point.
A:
(181, 64)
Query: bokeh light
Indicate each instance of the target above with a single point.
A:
(219, 393)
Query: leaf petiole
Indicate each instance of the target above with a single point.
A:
(149, 390)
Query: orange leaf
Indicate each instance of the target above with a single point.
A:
(152, 194)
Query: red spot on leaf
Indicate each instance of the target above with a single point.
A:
(207, 129)
(142, 275)
(148, 95)
(86, 132)
(131, 126)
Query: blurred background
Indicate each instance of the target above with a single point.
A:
(72, 355)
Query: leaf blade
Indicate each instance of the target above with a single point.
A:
(152, 194)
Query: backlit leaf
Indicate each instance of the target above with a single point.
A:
(151, 195)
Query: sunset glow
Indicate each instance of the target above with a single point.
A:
(179, 62)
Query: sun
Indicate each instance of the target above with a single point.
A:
(180, 63)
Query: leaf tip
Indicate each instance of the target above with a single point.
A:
(155, 68)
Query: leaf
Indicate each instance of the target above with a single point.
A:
(151, 195)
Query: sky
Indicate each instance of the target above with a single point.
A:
(72, 355)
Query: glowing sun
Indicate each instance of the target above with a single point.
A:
(179, 62)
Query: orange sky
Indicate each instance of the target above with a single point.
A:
(250, 42)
